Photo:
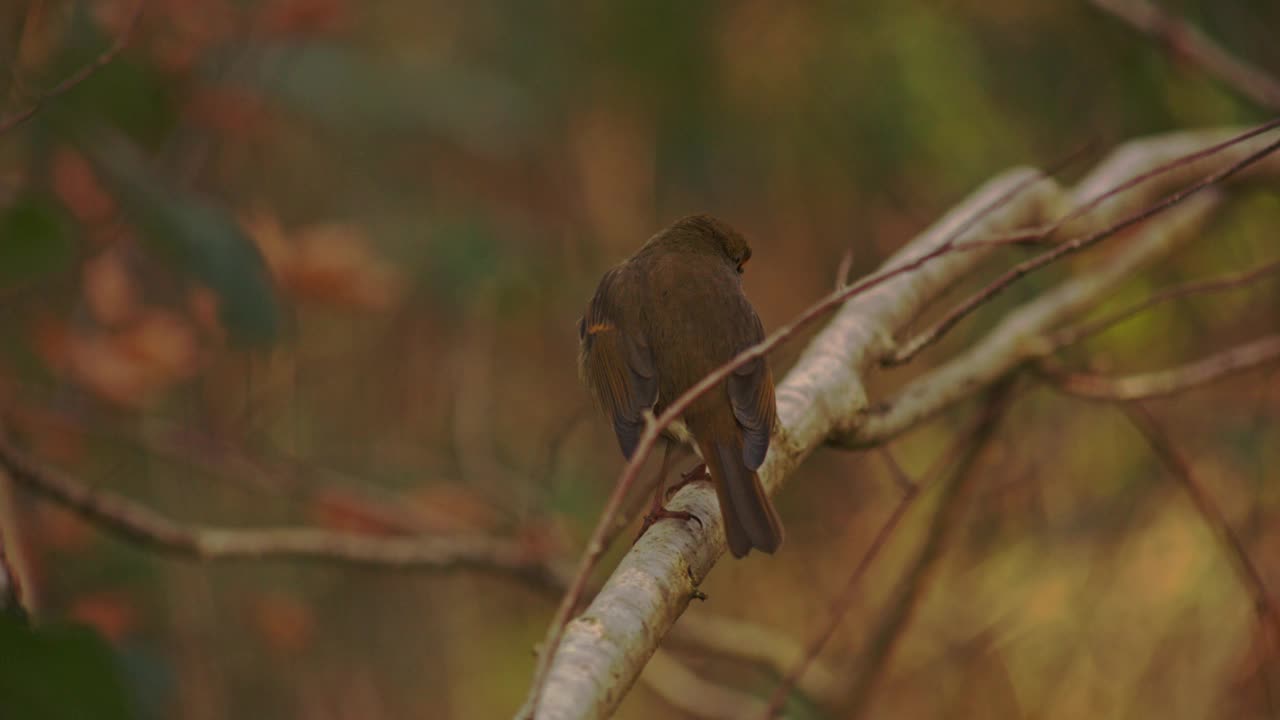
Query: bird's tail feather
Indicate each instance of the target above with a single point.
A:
(750, 520)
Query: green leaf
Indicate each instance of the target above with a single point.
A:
(58, 672)
(197, 235)
(356, 93)
(34, 242)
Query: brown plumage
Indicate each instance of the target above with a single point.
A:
(659, 323)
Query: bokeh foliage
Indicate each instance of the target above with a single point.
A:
(295, 261)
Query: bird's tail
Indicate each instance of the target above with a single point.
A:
(750, 520)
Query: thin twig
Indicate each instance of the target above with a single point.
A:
(1177, 464)
(1073, 335)
(1187, 41)
(935, 333)
(951, 504)
(133, 521)
(1173, 380)
(840, 606)
(79, 76)
(682, 688)
(749, 642)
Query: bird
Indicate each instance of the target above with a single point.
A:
(656, 325)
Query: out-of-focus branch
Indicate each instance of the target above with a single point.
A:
(951, 504)
(140, 524)
(1084, 330)
(682, 688)
(1180, 467)
(760, 645)
(1173, 380)
(840, 606)
(79, 76)
(1187, 41)
(602, 651)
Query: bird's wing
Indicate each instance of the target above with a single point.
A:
(751, 394)
(616, 361)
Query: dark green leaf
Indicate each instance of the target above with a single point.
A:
(198, 236)
(58, 672)
(356, 93)
(34, 242)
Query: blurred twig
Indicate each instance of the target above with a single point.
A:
(1173, 380)
(136, 522)
(79, 76)
(1073, 335)
(841, 604)
(682, 688)
(1177, 464)
(753, 643)
(951, 504)
(1187, 41)
(935, 333)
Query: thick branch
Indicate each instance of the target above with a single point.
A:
(1017, 338)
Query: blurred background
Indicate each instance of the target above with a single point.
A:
(320, 263)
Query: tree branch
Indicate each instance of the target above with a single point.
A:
(1019, 337)
(1173, 380)
(1073, 335)
(79, 76)
(902, 606)
(1185, 40)
(136, 522)
(1263, 602)
(1017, 272)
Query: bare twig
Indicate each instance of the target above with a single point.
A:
(935, 333)
(1073, 335)
(951, 504)
(1185, 40)
(682, 688)
(1177, 464)
(746, 641)
(841, 604)
(138, 523)
(900, 476)
(79, 76)
(1174, 380)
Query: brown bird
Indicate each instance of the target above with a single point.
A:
(659, 323)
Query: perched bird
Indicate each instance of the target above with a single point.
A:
(660, 322)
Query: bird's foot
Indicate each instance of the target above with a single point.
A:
(695, 475)
(664, 514)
